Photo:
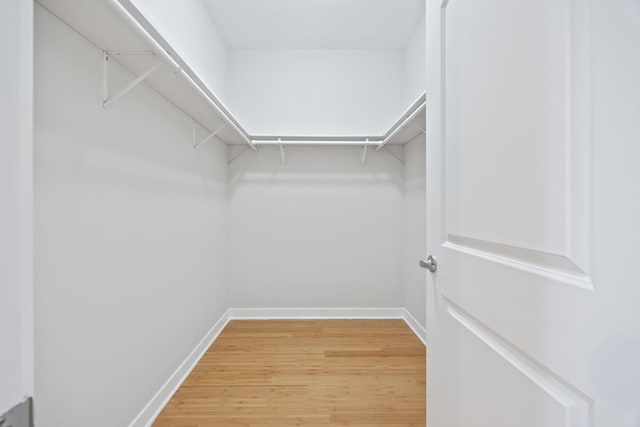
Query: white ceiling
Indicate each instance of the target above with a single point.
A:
(316, 24)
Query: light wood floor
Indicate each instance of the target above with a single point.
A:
(305, 373)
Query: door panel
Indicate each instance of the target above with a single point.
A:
(516, 166)
(512, 389)
(493, 106)
(532, 315)
(516, 202)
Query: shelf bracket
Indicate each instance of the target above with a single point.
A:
(363, 153)
(233, 158)
(392, 154)
(419, 127)
(208, 138)
(106, 100)
(283, 157)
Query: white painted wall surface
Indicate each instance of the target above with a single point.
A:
(415, 64)
(130, 238)
(414, 229)
(318, 232)
(190, 30)
(16, 317)
(316, 24)
(316, 92)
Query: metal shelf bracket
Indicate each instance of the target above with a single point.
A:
(393, 155)
(208, 138)
(418, 126)
(240, 153)
(283, 157)
(363, 153)
(106, 100)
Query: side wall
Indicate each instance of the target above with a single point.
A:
(130, 222)
(318, 232)
(414, 231)
(316, 92)
(415, 64)
(16, 190)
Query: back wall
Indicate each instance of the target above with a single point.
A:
(319, 232)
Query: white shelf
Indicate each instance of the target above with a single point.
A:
(118, 28)
(100, 22)
(407, 127)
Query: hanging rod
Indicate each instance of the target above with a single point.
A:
(130, 13)
(314, 142)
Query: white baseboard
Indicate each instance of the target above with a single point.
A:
(150, 412)
(315, 313)
(330, 313)
(415, 326)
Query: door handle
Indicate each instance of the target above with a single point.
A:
(430, 264)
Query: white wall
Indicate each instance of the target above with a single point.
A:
(318, 232)
(130, 238)
(190, 30)
(16, 324)
(316, 92)
(414, 225)
(415, 71)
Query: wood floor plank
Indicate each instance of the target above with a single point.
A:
(265, 373)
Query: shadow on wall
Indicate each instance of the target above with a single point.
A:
(316, 165)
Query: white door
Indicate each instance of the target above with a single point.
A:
(533, 193)
(16, 174)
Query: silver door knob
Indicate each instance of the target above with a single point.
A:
(430, 264)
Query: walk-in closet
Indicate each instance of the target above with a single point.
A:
(206, 161)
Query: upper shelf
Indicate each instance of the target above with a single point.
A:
(407, 127)
(110, 28)
(120, 30)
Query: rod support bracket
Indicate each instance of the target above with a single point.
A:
(232, 158)
(392, 154)
(363, 153)
(413, 122)
(106, 100)
(283, 157)
(208, 138)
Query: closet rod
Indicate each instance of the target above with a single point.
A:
(130, 13)
(315, 142)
